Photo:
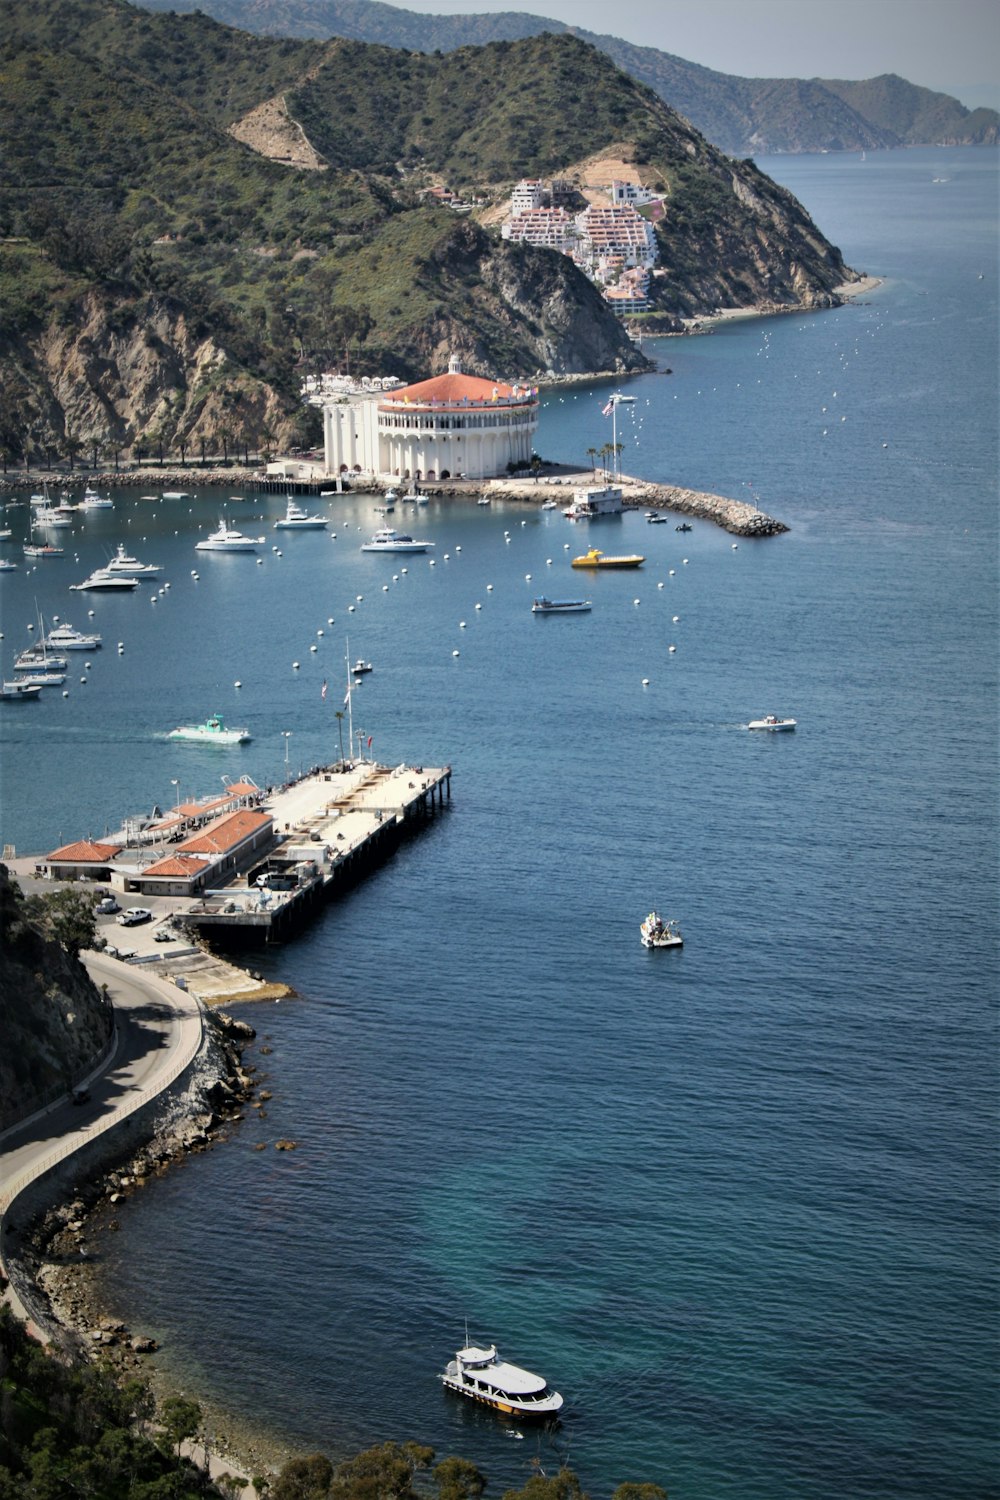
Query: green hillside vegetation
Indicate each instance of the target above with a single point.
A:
(139, 237)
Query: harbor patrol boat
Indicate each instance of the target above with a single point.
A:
(595, 558)
(483, 1376)
(212, 732)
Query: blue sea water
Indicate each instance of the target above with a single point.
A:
(737, 1202)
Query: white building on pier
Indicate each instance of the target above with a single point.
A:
(450, 426)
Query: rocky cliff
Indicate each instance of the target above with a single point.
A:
(54, 1021)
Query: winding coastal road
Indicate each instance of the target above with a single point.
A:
(159, 1031)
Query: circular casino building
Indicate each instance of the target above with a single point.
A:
(452, 426)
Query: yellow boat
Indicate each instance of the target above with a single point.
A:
(597, 559)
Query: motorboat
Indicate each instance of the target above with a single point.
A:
(770, 721)
(42, 678)
(38, 658)
(48, 517)
(597, 559)
(94, 501)
(655, 932)
(653, 518)
(360, 668)
(227, 539)
(483, 1376)
(545, 606)
(388, 540)
(484, 499)
(19, 692)
(6, 566)
(65, 638)
(176, 495)
(212, 732)
(124, 562)
(683, 527)
(105, 580)
(549, 505)
(297, 519)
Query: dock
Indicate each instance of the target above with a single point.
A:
(331, 828)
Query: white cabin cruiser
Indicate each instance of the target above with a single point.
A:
(227, 539)
(388, 540)
(212, 732)
(124, 562)
(65, 638)
(297, 519)
(105, 580)
(545, 606)
(483, 1376)
(94, 501)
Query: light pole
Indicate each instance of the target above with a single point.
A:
(286, 735)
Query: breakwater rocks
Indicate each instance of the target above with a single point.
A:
(734, 516)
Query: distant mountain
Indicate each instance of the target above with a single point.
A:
(742, 116)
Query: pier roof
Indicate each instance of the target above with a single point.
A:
(225, 833)
(177, 865)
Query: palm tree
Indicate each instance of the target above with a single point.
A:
(73, 445)
(592, 454)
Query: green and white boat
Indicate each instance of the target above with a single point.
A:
(212, 732)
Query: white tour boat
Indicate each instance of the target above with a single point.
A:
(545, 606)
(65, 638)
(657, 933)
(770, 721)
(228, 539)
(483, 1376)
(297, 519)
(106, 581)
(124, 562)
(387, 540)
(212, 732)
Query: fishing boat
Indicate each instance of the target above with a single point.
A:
(124, 562)
(297, 519)
(597, 559)
(228, 539)
(19, 692)
(655, 932)
(212, 732)
(388, 540)
(770, 721)
(483, 1376)
(104, 580)
(65, 638)
(360, 668)
(560, 606)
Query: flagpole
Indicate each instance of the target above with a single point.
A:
(350, 702)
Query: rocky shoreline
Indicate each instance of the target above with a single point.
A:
(53, 1250)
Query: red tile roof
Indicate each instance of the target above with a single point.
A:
(451, 390)
(184, 865)
(84, 852)
(222, 835)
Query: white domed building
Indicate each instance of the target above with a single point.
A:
(449, 427)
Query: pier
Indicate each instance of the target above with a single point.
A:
(331, 829)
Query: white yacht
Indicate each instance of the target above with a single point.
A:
(94, 501)
(226, 539)
(124, 562)
(212, 732)
(297, 519)
(102, 579)
(483, 1376)
(19, 692)
(770, 721)
(388, 540)
(65, 638)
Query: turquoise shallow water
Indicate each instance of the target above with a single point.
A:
(738, 1202)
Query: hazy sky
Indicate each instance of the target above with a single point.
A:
(953, 45)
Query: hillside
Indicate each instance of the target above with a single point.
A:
(743, 116)
(190, 214)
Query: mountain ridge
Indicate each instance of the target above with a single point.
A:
(742, 116)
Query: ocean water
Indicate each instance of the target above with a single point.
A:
(737, 1202)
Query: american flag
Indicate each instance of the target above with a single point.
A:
(607, 410)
